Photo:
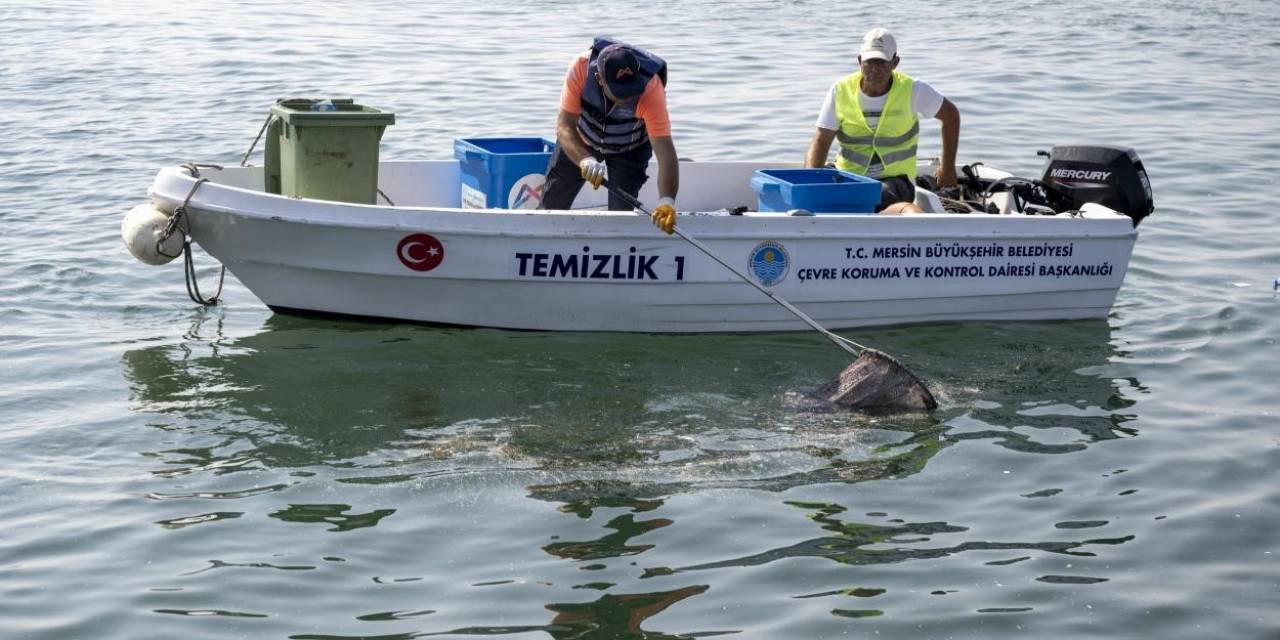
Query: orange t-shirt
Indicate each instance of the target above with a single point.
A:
(651, 108)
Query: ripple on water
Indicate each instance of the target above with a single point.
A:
(229, 472)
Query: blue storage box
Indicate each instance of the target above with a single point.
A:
(817, 190)
(503, 173)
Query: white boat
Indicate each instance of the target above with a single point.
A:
(425, 259)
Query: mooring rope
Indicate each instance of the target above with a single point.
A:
(244, 162)
(178, 222)
(193, 286)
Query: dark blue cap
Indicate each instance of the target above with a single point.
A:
(618, 68)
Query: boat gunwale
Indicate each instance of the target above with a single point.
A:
(805, 230)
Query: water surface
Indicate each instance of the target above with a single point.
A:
(169, 471)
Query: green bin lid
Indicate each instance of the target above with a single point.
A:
(297, 111)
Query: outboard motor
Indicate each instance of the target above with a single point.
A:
(1110, 176)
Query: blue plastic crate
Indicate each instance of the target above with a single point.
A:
(502, 173)
(817, 190)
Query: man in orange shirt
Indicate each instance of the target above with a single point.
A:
(613, 119)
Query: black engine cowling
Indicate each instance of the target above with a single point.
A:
(1111, 176)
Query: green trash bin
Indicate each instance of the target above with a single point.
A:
(324, 154)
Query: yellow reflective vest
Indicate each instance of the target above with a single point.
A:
(895, 135)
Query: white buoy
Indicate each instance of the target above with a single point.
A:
(142, 227)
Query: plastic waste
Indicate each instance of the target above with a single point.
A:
(324, 105)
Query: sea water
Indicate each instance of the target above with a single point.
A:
(168, 471)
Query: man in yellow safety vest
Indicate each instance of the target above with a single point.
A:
(874, 114)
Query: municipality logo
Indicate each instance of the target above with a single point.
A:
(769, 262)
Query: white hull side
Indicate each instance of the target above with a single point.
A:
(544, 306)
(499, 269)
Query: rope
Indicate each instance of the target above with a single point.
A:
(244, 162)
(178, 222)
(193, 287)
(957, 206)
(193, 168)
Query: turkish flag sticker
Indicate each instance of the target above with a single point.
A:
(420, 252)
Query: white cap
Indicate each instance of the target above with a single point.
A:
(878, 44)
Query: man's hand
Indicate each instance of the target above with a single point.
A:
(593, 171)
(664, 215)
(946, 176)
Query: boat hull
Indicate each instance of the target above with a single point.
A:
(612, 271)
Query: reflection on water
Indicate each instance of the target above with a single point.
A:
(849, 545)
(609, 617)
(585, 477)
(616, 616)
(598, 424)
(613, 545)
(580, 496)
(334, 514)
(409, 399)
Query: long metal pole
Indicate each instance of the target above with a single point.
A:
(841, 342)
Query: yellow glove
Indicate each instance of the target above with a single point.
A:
(664, 216)
(593, 171)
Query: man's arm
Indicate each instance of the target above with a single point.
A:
(950, 117)
(817, 154)
(668, 166)
(664, 215)
(567, 137)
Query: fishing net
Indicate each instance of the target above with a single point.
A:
(877, 383)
